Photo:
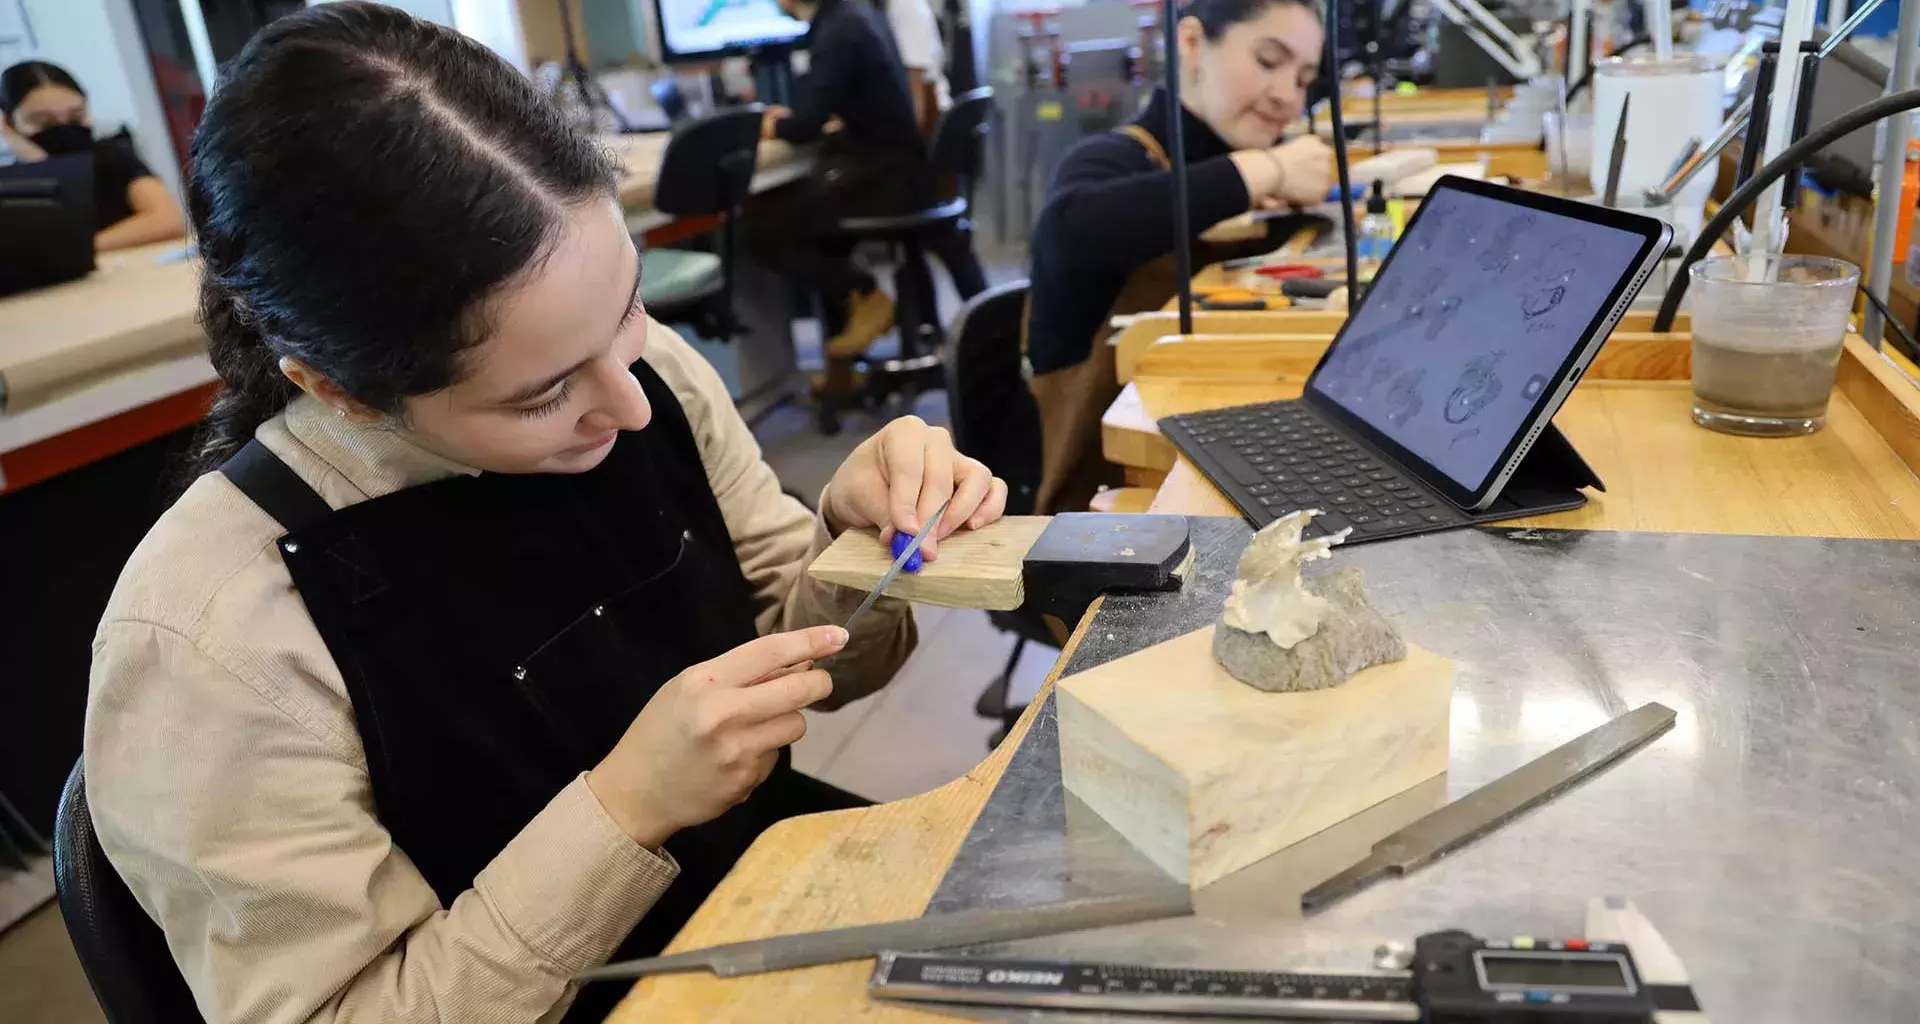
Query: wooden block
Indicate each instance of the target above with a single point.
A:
(1205, 774)
(976, 568)
(1122, 499)
(1393, 165)
(1136, 476)
(1885, 397)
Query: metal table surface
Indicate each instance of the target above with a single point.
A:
(1771, 836)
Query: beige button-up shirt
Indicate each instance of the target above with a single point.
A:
(229, 786)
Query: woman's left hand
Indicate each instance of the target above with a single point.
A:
(898, 478)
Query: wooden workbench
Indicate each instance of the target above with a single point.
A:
(1854, 479)
(1629, 419)
(101, 364)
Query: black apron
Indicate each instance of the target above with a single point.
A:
(1073, 399)
(498, 633)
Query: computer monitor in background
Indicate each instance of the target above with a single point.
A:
(700, 30)
(46, 222)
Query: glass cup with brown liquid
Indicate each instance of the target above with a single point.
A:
(1767, 333)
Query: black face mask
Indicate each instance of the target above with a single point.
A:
(62, 139)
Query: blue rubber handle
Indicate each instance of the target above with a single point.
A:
(900, 542)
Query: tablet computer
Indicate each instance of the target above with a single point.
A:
(1476, 328)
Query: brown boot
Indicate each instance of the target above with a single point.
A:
(869, 315)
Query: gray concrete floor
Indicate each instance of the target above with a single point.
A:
(920, 731)
(40, 979)
(917, 733)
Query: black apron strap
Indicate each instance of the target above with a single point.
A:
(277, 489)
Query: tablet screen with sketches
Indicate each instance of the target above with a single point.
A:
(1468, 327)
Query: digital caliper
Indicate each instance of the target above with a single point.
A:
(1629, 977)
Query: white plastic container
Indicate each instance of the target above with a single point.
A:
(1673, 100)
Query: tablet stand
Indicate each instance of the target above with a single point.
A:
(1548, 479)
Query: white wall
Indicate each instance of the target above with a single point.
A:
(431, 10)
(494, 23)
(99, 41)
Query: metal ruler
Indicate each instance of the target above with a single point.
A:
(934, 931)
(1493, 804)
(1457, 984)
(1132, 988)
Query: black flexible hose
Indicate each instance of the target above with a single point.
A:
(1789, 158)
(1177, 153)
(1906, 344)
(1340, 152)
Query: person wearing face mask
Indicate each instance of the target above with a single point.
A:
(43, 112)
(471, 658)
(1102, 245)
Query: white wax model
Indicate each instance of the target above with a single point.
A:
(1267, 595)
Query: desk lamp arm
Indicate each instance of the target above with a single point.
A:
(1484, 29)
(1789, 158)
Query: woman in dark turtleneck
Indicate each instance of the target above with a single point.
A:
(1103, 243)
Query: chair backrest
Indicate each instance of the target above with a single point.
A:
(960, 141)
(708, 165)
(121, 949)
(993, 414)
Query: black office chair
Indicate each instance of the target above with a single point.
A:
(958, 152)
(995, 419)
(705, 172)
(121, 949)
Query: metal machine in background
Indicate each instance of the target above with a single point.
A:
(1060, 75)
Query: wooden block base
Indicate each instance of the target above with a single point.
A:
(1206, 775)
(977, 568)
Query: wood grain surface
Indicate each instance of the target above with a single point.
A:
(1195, 372)
(976, 568)
(139, 307)
(1131, 341)
(1665, 474)
(1204, 774)
(833, 870)
(1122, 500)
(1880, 386)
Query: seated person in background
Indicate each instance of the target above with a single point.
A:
(1102, 245)
(916, 34)
(43, 112)
(874, 165)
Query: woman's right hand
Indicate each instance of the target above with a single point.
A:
(1297, 172)
(23, 148)
(712, 734)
